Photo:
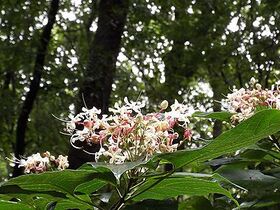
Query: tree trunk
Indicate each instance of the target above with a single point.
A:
(34, 85)
(98, 76)
(96, 86)
(217, 86)
(177, 66)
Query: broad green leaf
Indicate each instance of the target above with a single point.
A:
(223, 116)
(119, 169)
(48, 186)
(61, 181)
(256, 204)
(43, 202)
(14, 205)
(187, 174)
(268, 201)
(89, 187)
(40, 189)
(224, 161)
(105, 173)
(262, 188)
(270, 152)
(274, 172)
(259, 126)
(259, 108)
(249, 178)
(216, 176)
(153, 205)
(34, 198)
(174, 186)
(83, 191)
(72, 204)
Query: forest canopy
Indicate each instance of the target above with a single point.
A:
(60, 56)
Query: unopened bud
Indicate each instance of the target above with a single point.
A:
(188, 134)
(46, 154)
(163, 125)
(163, 148)
(88, 124)
(252, 81)
(52, 158)
(164, 104)
(258, 86)
(139, 118)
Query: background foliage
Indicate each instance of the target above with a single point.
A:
(189, 50)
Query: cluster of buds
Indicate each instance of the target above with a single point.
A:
(129, 135)
(244, 102)
(38, 163)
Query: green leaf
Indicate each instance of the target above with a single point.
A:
(274, 172)
(71, 204)
(14, 205)
(89, 187)
(216, 176)
(56, 186)
(174, 186)
(223, 116)
(250, 179)
(119, 169)
(256, 204)
(60, 181)
(153, 205)
(43, 202)
(260, 152)
(224, 160)
(259, 108)
(259, 126)
(83, 191)
(34, 198)
(105, 173)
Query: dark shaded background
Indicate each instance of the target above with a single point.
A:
(53, 52)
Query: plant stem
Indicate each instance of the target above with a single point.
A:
(158, 181)
(120, 203)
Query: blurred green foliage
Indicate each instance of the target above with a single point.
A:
(187, 50)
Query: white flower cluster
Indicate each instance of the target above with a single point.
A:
(244, 102)
(129, 135)
(37, 163)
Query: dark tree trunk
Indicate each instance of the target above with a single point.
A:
(34, 85)
(177, 67)
(9, 78)
(218, 126)
(217, 85)
(98, 76)
(96, 86)
(175, 70)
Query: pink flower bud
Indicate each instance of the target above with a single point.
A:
(88, 124)
(188, 134)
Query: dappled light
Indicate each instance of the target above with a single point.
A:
(146, 104)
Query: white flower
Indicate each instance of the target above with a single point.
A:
(128, 107)
(127, 134)
(34, 163)
(62, 162)
(244, 102)
(179, 111)
(115, 154)
(38, 164)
